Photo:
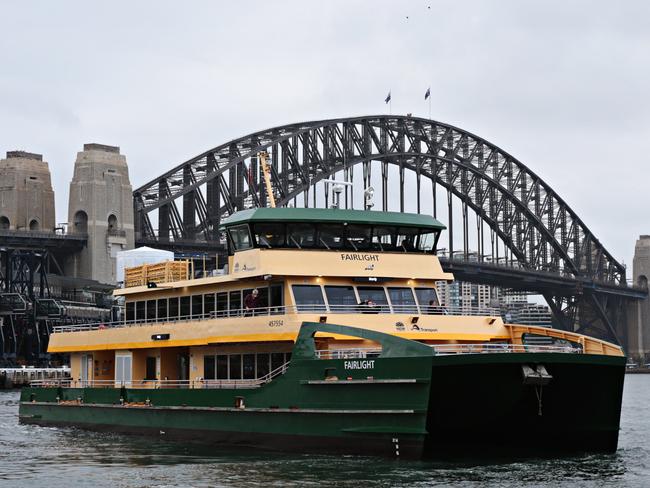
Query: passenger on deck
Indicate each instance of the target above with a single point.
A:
(368, 306)
(250, 303)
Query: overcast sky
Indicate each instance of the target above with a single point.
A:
(562, 86)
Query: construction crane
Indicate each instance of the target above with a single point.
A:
(266, 170)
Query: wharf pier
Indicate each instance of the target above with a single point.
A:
(19, 377)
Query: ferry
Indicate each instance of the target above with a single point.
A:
(324, 333)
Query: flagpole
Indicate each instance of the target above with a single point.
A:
(429, 107)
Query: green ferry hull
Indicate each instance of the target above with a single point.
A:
(408, 407)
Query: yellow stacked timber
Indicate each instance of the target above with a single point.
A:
(156, 273)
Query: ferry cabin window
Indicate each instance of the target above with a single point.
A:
(269, 235)
(130, 311)
(308, 298)
(428, 300)
(301, 235)
(162, 308)
(277, 360)
(173, 308)
(151, 310)
(208, 303)
(140, 311)
(222, 304)
(150, 373)
(330, 236)
(374, 293)
(242, 366)
(402, 300)
(341, 297)
(240, 237)
(358, 237)
(248, 366)
(262, 365)
(209, 365)
(234, 361)
(185, 307)
(197, 306)
(222, 367)
(275, 298)
(234, 306)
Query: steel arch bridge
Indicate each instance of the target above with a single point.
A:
(506, 225)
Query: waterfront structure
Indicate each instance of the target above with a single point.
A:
(100, 206)
(639, 332)
(325, 334)
(26, 196)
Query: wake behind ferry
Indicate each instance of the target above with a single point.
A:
(325, 334)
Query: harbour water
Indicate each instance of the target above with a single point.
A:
(32, 456)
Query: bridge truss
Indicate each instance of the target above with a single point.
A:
(499, 213)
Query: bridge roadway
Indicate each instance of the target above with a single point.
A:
(27, 239)
(536, 281)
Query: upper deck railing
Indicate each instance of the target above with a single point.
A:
(289, 309)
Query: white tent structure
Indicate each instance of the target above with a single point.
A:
(139, 256)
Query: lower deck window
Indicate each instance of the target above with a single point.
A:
(246, 366)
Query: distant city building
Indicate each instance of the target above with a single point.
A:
(514, 307)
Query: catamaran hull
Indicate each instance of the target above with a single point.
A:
(442, 407)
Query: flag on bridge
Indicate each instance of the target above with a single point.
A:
(387, 98)
(427, 93)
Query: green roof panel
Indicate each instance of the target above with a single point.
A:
(332, 215)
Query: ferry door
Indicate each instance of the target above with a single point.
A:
(86, 369)
(123, 364)
(184, 366)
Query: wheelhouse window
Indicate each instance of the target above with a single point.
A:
(402, 300)
(341, 297)
(407, 239)
(240, 237)
(428, 300)
(309, 298)
(358, 237)
(301, 235)
(427, 242)
(270, 235)
(373, 295)
(330, 236)
(383, 238)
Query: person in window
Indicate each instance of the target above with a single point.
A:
(251, 302)
(407, 244)
(435, 308)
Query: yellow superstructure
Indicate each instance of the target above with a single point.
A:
(198, 330)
